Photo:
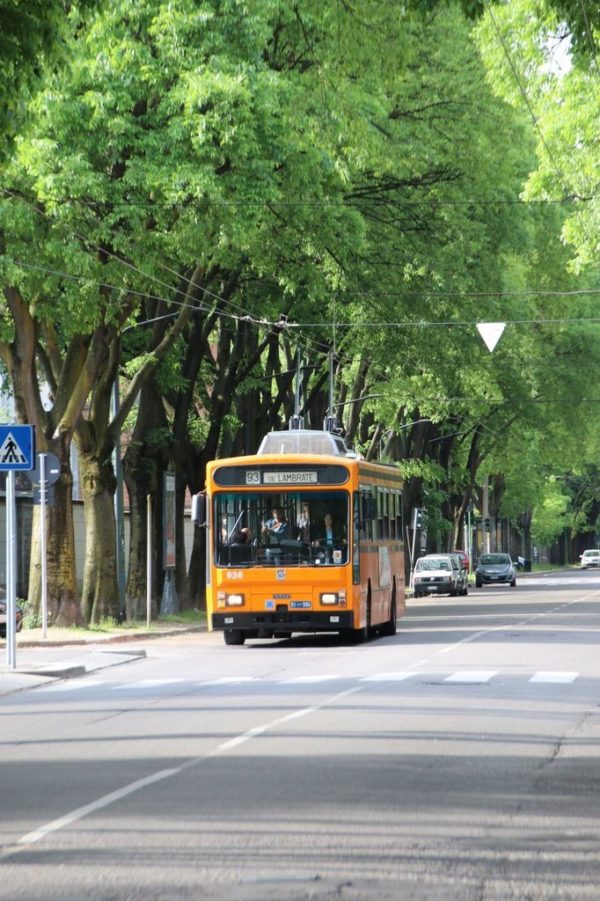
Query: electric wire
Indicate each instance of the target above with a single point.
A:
(243, 313)
(127, 264)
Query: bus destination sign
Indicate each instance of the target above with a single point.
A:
(274, 476)
(284, 478)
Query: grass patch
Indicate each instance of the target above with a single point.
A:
(109, 626)
(187, 617)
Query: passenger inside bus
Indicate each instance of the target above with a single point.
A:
(239, 535)
(235, 542)
(330, 539)
(274, 531)
(277, 525)
(303, 524)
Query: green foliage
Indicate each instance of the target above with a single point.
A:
(32, 617)
(527, 54)
(32, 37)
(552, 514)
(158, 438)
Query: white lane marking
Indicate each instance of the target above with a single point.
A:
(556, 678)
(227, 680)
(38, 834)
(472, 676)
(307, 680)
(125, 686)
(387, 677)
(72, 684)
(106, 800)
(517, 625)
(146, 683)
(475, 636)
(296, 714)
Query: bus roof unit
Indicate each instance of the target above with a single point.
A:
(304, 441)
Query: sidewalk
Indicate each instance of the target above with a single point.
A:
(67, 654)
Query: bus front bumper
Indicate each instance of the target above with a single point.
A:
(290, 621)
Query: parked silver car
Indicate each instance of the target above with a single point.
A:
(439, 574)
(493, 569)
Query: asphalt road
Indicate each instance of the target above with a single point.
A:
(456, 760)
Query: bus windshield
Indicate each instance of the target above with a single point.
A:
(284, 528)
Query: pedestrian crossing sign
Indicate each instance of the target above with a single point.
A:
(17, 448)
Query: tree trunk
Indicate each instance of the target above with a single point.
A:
(144, 463)
(63, 605)
(100, 594)
(140, 485)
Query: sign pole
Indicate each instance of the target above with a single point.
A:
(11, 572)
(148, 559)
(8, 573)
(44, 561)
(414, 541)
(17, 451)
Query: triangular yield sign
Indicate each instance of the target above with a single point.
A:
(490, 332)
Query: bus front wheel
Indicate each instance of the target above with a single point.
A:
(234, 636)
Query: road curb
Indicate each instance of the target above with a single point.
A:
(48, 673)
(104, 639)
(68, 672)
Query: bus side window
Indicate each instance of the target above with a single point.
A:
(385, 505)
(399, 529)
(378, 523)
(368, 512)
(356, 537)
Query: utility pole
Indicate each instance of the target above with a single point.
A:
(485, 513)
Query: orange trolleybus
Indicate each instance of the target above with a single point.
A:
(302, 537)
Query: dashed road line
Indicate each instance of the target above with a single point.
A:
(147, 683)
(388, 677)
(554, 678)
(466, 677)
(474, 677)
(308, 680)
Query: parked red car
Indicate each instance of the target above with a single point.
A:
(464, 557)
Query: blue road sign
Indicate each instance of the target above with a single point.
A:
(17, 447)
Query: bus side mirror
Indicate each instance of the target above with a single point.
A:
(199, 509)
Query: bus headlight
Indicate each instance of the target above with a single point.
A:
(335, 598)
(230, 600)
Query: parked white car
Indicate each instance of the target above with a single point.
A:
(439, 574)
(590, 558)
